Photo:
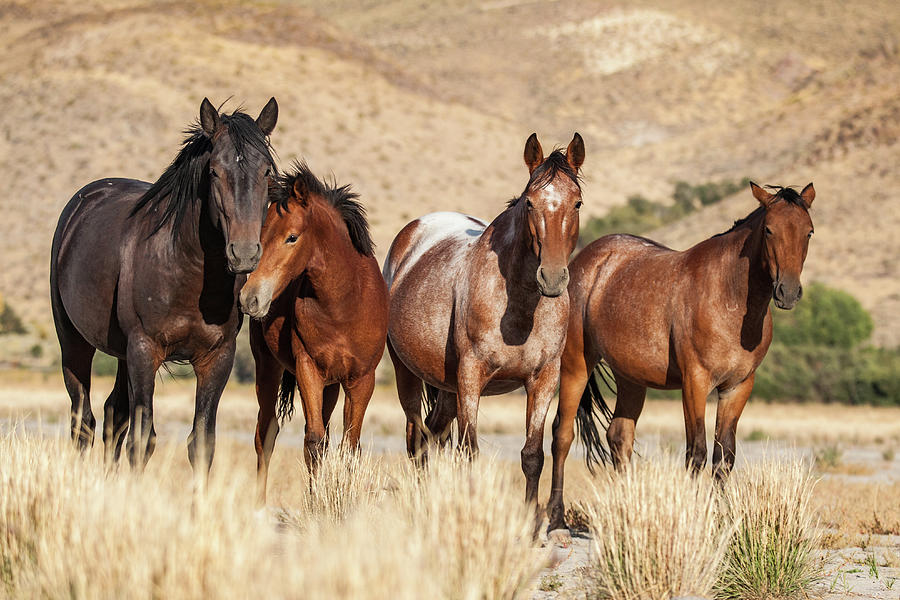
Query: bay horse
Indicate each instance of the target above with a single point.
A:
(150, 273)
(319, 308)
(481, 309)
(698, 320)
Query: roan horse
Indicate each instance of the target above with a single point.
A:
(151, 272)
(698, 320)
(319, 306)
(482, 309)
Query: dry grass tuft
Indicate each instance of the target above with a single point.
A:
(771, 555)
(656, 534)
(364, 528)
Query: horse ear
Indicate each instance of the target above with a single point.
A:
(534, 154)
(764, 197)
(268, 116)
(575, 152)
(301, 191)
(209, 117)
(808, 195)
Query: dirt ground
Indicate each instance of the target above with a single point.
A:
(853, 449)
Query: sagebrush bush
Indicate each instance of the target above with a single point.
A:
(771, 555)
(657, 533)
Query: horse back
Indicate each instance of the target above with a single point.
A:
(423, 265)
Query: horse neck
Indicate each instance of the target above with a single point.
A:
(747, 279)
(332, 257)
(511, 241)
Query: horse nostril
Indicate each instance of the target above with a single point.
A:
(231, 251)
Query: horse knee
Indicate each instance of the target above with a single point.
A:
(532, 461)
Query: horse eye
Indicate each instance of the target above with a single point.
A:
(809, 235)
(578, 204)
(291, 239)
(529, 205)
(213, 174)
(269, 172)
(768, 232)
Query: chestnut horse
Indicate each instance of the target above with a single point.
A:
(319, 306)
(151, 272)
(698, 320)
(480, 309)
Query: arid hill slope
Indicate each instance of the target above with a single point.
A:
(425, 106)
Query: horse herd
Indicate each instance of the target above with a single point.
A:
(150, 273)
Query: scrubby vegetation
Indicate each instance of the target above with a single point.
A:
(819, 353)
(9, 320)
(639, 215)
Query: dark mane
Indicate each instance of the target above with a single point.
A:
(180, 184)
(552, 166)
(345, 201)
(788, 194)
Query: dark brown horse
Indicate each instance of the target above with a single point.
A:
(480, 309)
(319, 306)
(697, 320)
(150, 273)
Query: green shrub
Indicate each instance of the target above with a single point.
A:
(640, 215)
(824, 317)
(9, 320)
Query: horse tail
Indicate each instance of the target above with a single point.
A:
(285, 409)
(591, 409)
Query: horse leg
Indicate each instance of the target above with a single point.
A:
(409, 390)
(357, 396)
(143, 358)
(440, 420)
(540, 391)
(728, 411)
(620, 435)
(574, 373)
(268, 378)
(693, 395)
(311, 388)
(77, 355)
(329, 402)
(212, 375)
(115, 415)
(470, 382)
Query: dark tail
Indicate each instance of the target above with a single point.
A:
(285, 408)
(591, 409)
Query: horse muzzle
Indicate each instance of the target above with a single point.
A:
(552, 282)
(243, 257)
(786, 295)
(256, 300)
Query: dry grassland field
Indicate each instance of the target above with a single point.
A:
(426, 106)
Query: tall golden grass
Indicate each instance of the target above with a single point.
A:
(656, 533)
(364, 528)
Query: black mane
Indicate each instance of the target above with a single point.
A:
(552, 166)
(341, 198)
(788, 194)
(180, 185)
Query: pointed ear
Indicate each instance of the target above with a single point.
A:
(764, 197)
(575, 152)
(534, 154)
(808, 195)
(268, 116)
(301, 191)
(209, 117)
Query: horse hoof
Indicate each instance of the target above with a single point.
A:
(560, 537)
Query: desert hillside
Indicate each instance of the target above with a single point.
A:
(426, 106)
